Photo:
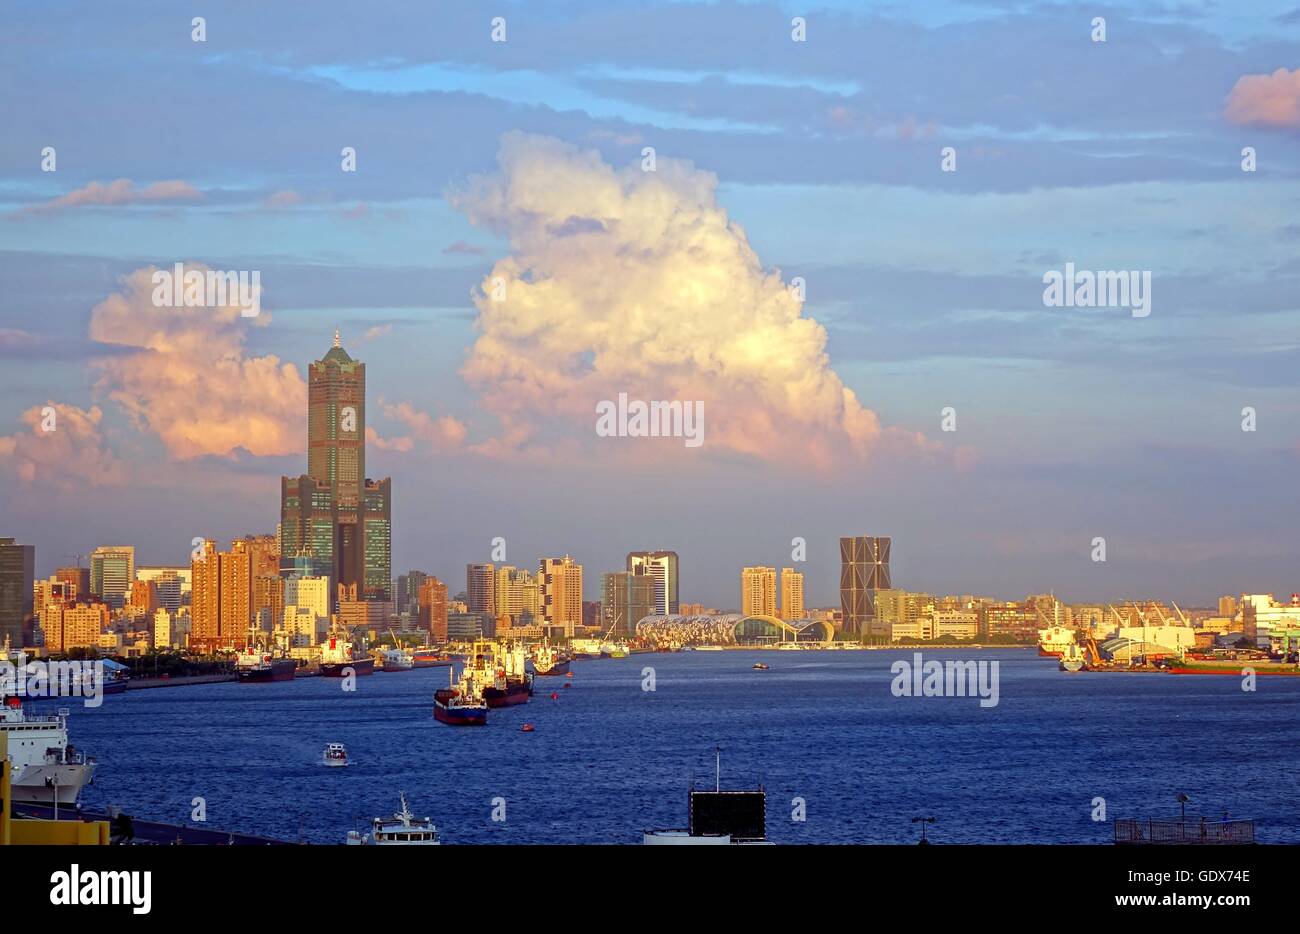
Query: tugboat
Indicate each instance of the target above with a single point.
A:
(338, 655)
(335, 756)
(402, 829)
(547, 662)
(460, 705)
(44, 767)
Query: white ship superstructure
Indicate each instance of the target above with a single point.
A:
(44, 767)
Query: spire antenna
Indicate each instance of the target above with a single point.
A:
(337, 342)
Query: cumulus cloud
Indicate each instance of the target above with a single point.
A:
(120, 192)
(62, 446)
(1266, 100)
(638, 282)
(438, 433)
(189, 379)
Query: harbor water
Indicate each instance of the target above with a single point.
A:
(609, 759)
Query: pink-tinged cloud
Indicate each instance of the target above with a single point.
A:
(637, 282)
(440, 433)
(190, 380)
(1266, 100)
(460, 246)
(123, 191)
(62, 447)
(285, 198)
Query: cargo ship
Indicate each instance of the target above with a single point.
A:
(338, 656)
(548, 663)
(431, 658)
(396, 660)
(1053, 640)
(44, 767)
(511, 683)
(261, 667)
(460, 704)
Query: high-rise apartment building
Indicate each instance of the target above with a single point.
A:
(662, 566)
(17, 576)
(407, 592)
(758, 591)
(791, 594)
(864, 569)
(561, 593)
(221, 596)
(112, 572)
(481, 588)
(433, 608)
(333, 512)
(77, 579)
(517, 595)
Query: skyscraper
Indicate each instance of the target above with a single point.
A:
(433, 608)
(791, 594)
(864, 569)
(112, 572)
(481, 588)
(627, 597)
(758, 591)
(561, 580)
(333, 512)
(17, 576)
(663, 567)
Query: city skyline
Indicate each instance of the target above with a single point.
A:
(848, 292)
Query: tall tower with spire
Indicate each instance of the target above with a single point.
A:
(333, 514)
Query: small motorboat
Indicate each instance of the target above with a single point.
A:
(527, 728)
(760, 666)
(335, 756)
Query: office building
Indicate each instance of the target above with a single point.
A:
(112, 571)
(864, 569)
(17, 577)
(334, 513)
(561, 592)
(663, 567)
(480, 588)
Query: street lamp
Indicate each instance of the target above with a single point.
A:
(1182, 800)
(923, 821)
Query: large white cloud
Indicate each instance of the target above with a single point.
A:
(188, 379)
(637, 281)
(63, 447)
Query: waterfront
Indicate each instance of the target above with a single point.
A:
(608, 759)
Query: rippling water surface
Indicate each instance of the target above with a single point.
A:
(609, 759)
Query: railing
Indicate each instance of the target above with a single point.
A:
(1174, 832)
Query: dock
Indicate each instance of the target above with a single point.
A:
(150, 833)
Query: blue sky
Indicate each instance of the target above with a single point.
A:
(1072, 423)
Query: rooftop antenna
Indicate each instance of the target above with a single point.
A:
(717, 768)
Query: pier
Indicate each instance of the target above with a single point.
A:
(148, 833)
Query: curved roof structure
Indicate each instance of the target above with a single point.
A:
(731, 629)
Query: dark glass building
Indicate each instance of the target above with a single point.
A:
(864, 569)
(17, 573)
(333, 512)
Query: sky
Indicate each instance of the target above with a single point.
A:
(676, 201)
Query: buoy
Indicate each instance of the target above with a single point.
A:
(568, 674)
(555, 696)
(526, 728)
(567, 684)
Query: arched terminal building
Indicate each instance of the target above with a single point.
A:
(731, 629)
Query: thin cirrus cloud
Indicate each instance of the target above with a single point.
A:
(117, 193)
(62, 446)
(1271, 100)
(185, 376)
(624, 280)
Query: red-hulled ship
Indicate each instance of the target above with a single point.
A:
(338, 656)
(547, 662)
